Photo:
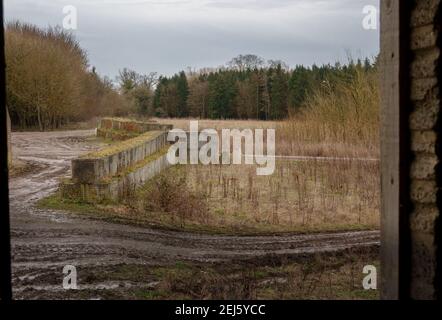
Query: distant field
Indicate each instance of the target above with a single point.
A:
(301, 137)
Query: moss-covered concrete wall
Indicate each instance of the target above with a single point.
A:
(109, 161)
(117, 187)
(114, 172)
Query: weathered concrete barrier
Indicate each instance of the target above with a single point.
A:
(109, 161)
(119, 186)
(121, 129)
(115, 171)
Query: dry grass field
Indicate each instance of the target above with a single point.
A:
(301, 196)
(299, 136)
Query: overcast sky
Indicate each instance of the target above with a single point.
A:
(171, 35)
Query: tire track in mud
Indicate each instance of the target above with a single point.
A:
(43, 241)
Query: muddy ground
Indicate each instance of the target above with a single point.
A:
(44, 241)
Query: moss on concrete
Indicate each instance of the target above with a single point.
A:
(140, 164)
(116, 134)
(123, 145)
(119, 119)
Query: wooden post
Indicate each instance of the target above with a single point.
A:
(395, 150)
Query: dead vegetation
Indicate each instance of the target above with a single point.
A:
(299, 196)
(166, 195)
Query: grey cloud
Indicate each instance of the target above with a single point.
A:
(169, 37)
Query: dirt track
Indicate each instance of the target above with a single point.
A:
(44, 241)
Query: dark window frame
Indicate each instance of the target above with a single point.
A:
(394, 157)
(5, 237)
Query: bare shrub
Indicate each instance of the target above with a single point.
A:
(338, 120)
(170, 194)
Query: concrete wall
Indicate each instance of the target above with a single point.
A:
(114, 172)
(116, 188)
(92, 167)
(425, 136)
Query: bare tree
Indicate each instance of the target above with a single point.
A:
(275, 63)
(127, 79)
(246, 61)
(149, 80)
